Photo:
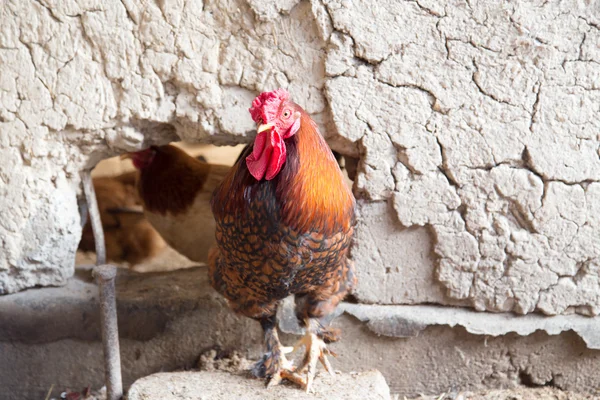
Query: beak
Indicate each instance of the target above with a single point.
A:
(264, 127)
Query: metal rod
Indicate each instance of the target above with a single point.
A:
(94, 214)
(105, 278)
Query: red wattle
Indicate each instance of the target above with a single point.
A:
(268, 155)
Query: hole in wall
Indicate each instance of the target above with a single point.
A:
(348, 166)
(527, 380)
(351, 298)
(131, 240)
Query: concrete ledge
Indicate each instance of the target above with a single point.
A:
(409, 321)
(146, 304)
(227, 386)
(50, 337)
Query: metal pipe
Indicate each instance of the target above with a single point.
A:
(104, 275)
(94, 214)
(105, 278)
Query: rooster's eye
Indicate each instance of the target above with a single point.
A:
(286, 114)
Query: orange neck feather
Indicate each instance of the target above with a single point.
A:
(317, 198)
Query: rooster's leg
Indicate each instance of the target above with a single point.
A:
(314, 341)
(311, 310)
(274, 365)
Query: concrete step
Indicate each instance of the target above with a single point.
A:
(368, 385)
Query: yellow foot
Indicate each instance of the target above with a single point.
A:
(279, 367)
(316, 350)
(288, 374)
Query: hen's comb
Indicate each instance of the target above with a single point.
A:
(265, 105)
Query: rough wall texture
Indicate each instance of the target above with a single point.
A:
(475, 122)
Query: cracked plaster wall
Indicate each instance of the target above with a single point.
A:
(476, 124)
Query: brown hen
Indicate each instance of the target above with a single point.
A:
(175, 190)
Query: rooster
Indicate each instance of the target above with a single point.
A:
(175, 190)
(285, 219)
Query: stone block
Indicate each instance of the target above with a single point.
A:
(227, 386)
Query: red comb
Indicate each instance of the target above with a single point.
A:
(265, 105)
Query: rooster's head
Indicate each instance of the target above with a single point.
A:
(143, 158)
(278, 119)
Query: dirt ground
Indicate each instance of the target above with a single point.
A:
(215, 361)
(512, 394)
(212, 361)
(167, 260)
